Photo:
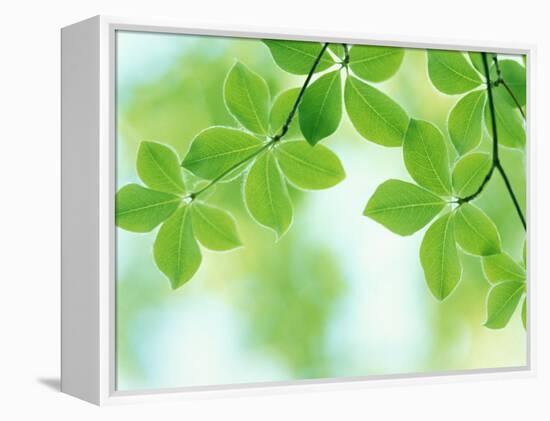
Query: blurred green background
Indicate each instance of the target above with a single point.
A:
(339, 295)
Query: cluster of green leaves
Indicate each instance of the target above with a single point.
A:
(277, 143)
(444, 189)
(375, 116)
(164, 202)
(508, 287)
(220, 154)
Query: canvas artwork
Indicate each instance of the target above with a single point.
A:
(294, 211)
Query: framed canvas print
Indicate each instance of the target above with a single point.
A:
(257, 210)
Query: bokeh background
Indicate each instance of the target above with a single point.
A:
(339, 295)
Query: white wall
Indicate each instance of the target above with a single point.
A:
(29, 167)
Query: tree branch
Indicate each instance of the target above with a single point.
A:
(496, 164)
(491, 107)
(512, 195)
(214, 181)
(285, 127)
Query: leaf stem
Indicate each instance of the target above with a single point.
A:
(491, 108)
(214, 181)
(288, 121)
(496, 164)
(500, 81)
(274, 139)
(518, 105)
(480, 188)
(512, 195)
(346, 54)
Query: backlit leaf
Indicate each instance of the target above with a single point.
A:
(501, 267)
(509, 121)
(502, 301)
(403, 207)
(426, 157)
(451, 73)
(266, 195)
(297, 57)
(218, 149)
(515, 77)
(469, 173)
(158, 167)
(176, 251)
(247, 98)
(338, 50)
(139, 209)
(321, 107)
(309, 167)
(439, 257)
(465, 121)
(214, 228)
(375, 63)
(475, 232)
(477, 60)
(279, 113)
(374, 115)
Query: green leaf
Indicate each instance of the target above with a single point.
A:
(426, 157)
(525, 253)
(502, 301)
(515, 77)
(158, 167)
(281, 109)
(176, 251)
(451, 73)
(218, 149)
(214, 227)
(403, 207)
(338, 50)
(501, 267)
(439, 257)
(509, 121)
(321, 107)
(469, 173)
(266, 195)
(475, 232)
(477, 60)
(465, 121)
(139, 209)
(246, 96)
(307, 167)
(524, 313)
(375, 63)
(374, 115)
(297, 57)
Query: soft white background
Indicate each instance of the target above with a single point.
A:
(29, 237)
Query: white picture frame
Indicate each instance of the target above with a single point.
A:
(88, 189)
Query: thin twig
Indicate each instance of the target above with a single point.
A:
(214, 181)
(496, 164)
(288, 121)
(518, 105)
(491, 107)
(480, 188)
(500, 81)
(512, 195)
